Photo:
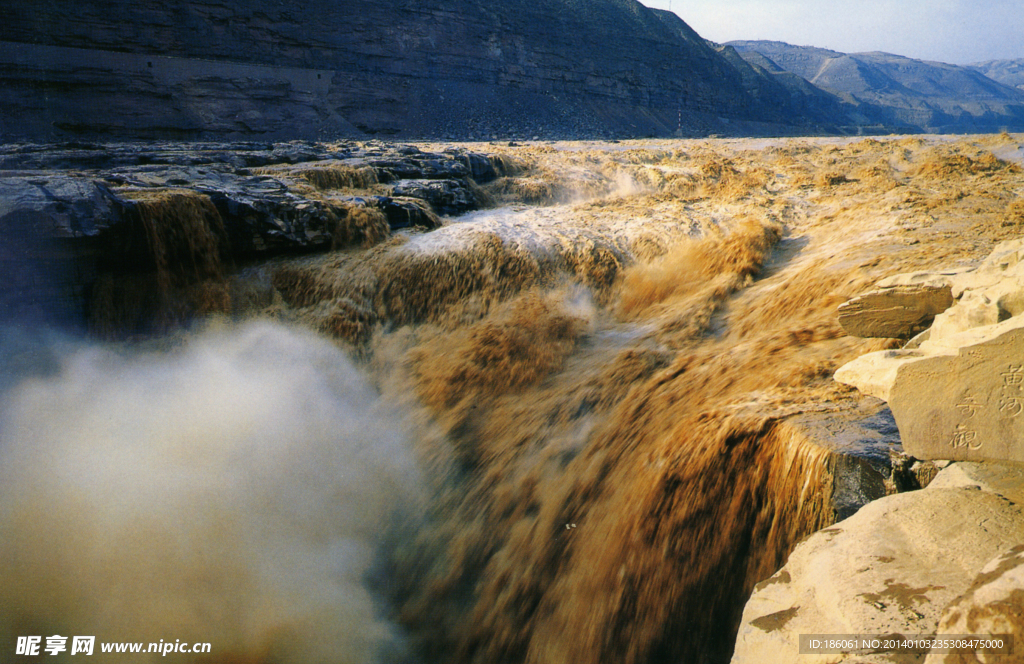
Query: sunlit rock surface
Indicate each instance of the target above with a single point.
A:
(993, 607)
(958, 392)
(892, 568)
(899, 308)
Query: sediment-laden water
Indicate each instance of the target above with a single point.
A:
(555, 430)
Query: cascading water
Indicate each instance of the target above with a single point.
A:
(533, 435)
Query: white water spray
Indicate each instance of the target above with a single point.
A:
(232, 490)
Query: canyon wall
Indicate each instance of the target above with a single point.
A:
(468, 69)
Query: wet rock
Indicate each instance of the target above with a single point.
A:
(406, 212)
(448, 197)
(423, 165)
(899, 308)
(72, 211)
(893, 567)
(56, 206)
(260, 214)
(273, 224)
(860, 441)
(481, 168)
(48, 231)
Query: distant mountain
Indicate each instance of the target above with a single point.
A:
(766, 80)
(1007, 72)
(898, 91)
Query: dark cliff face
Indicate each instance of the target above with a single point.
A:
(466, 68)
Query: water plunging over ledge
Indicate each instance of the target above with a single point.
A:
(576, 431)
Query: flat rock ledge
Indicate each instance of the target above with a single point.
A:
(76, 216)
(944, 560)
(957, 389)
(899, 307)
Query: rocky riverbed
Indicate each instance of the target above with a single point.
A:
(943, 561)
(79, 214)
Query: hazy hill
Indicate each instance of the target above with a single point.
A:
(929, 96)
(766, 79)
(1007, 72)
(443, 68)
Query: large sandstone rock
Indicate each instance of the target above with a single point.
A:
(988, 295)
(893, 567)
(993, 605)
(957, 391)
(900, 307)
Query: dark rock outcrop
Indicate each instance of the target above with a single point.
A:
(861, 443)
(152, 228)
(327, 69)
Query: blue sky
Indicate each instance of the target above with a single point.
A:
(954, 31)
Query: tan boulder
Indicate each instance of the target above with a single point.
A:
(959, 397)
(993, 607)
(899, 307)
(893, 567)
(957, 391)
(987, 295)
(875, 374)
(994, 602)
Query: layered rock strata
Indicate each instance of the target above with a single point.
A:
(78, 216)
(325, 69)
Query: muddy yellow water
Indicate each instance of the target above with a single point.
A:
(603, 381)
(594, 378)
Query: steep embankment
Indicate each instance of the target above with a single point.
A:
(325, 68)
(930, 97)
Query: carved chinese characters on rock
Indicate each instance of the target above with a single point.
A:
(1010, 404)
(1011, 394)
(964, 434)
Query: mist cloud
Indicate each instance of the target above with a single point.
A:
(231, 491)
